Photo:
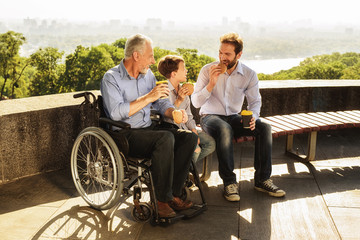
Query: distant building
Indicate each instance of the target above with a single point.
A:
(349, 31)
(153, 24)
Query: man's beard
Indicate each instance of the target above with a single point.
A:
(144, 70)
(232, 63)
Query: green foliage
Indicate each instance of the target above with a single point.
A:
(120, 43)
(85, 68)
(116, 53)
(158, 54)
(193, 61)
(46, 79)
(47, 72)
(327, 66)
(10, 62)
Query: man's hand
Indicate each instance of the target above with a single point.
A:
(161, 90)
(215, 71)
(157, 92)
(252, 124)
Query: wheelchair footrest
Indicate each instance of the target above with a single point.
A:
(194, 211)
(185, 214)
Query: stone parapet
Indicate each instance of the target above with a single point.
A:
(37, 134)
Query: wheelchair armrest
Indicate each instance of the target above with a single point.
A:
(119, 124)
(155, 116)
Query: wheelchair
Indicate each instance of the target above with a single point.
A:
(103, 172)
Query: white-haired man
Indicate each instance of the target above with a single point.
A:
(129, 91)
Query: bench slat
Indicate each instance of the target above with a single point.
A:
(328, 118)
(322, 124)
(340, 122)
(310, 126)
(293, 128)
(333, 124)
(274, 129)
(347, 120)
(293, 122)
(281, 129)
(351, 115)
(244, 139)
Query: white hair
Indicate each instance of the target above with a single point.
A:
(136, 43)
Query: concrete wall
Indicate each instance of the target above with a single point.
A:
(37, 133)
(315, 99)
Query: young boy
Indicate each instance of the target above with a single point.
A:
(173, 68)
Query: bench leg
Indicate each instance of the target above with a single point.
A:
(205, 175)
(311, 147)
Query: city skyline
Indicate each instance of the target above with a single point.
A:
(257, 12)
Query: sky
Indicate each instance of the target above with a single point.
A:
(320, 12)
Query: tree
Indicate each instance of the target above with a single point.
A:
(352, 72)
(98, 62)
(193, 61)
(10, 43)
(334, 66)
(85, 68)
(76, 73)
(48, 72)
(158, 54)
(116, 53)
(120, 43)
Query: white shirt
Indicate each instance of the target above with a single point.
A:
(227, 97)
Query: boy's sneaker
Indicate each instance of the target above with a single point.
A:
(231, 193)
(270, 188)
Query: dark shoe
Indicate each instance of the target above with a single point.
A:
(165, 211)
(178, 204)
(270, 188)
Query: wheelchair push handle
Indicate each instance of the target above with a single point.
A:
(86, 95)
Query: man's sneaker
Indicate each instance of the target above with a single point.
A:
(231, 193)
(270, 188)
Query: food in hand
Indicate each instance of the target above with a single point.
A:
(223, 67)
(189, 86)
(177, 116)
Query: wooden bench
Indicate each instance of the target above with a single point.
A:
(292, 124)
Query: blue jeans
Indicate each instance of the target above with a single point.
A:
(207, 145)
(223, 129)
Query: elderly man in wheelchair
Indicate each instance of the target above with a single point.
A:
(129, 93)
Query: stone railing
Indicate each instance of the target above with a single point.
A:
(37, 133)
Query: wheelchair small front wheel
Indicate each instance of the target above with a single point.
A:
(143, 213)
(97, 168)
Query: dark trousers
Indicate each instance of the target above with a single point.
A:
(171, 152)
(223, 129)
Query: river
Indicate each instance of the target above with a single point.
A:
(269, 66)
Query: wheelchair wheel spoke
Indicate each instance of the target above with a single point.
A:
(96, 166)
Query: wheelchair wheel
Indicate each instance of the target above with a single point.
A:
(97, 168)
(144, 214)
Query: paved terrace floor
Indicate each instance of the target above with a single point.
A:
(322, 202)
